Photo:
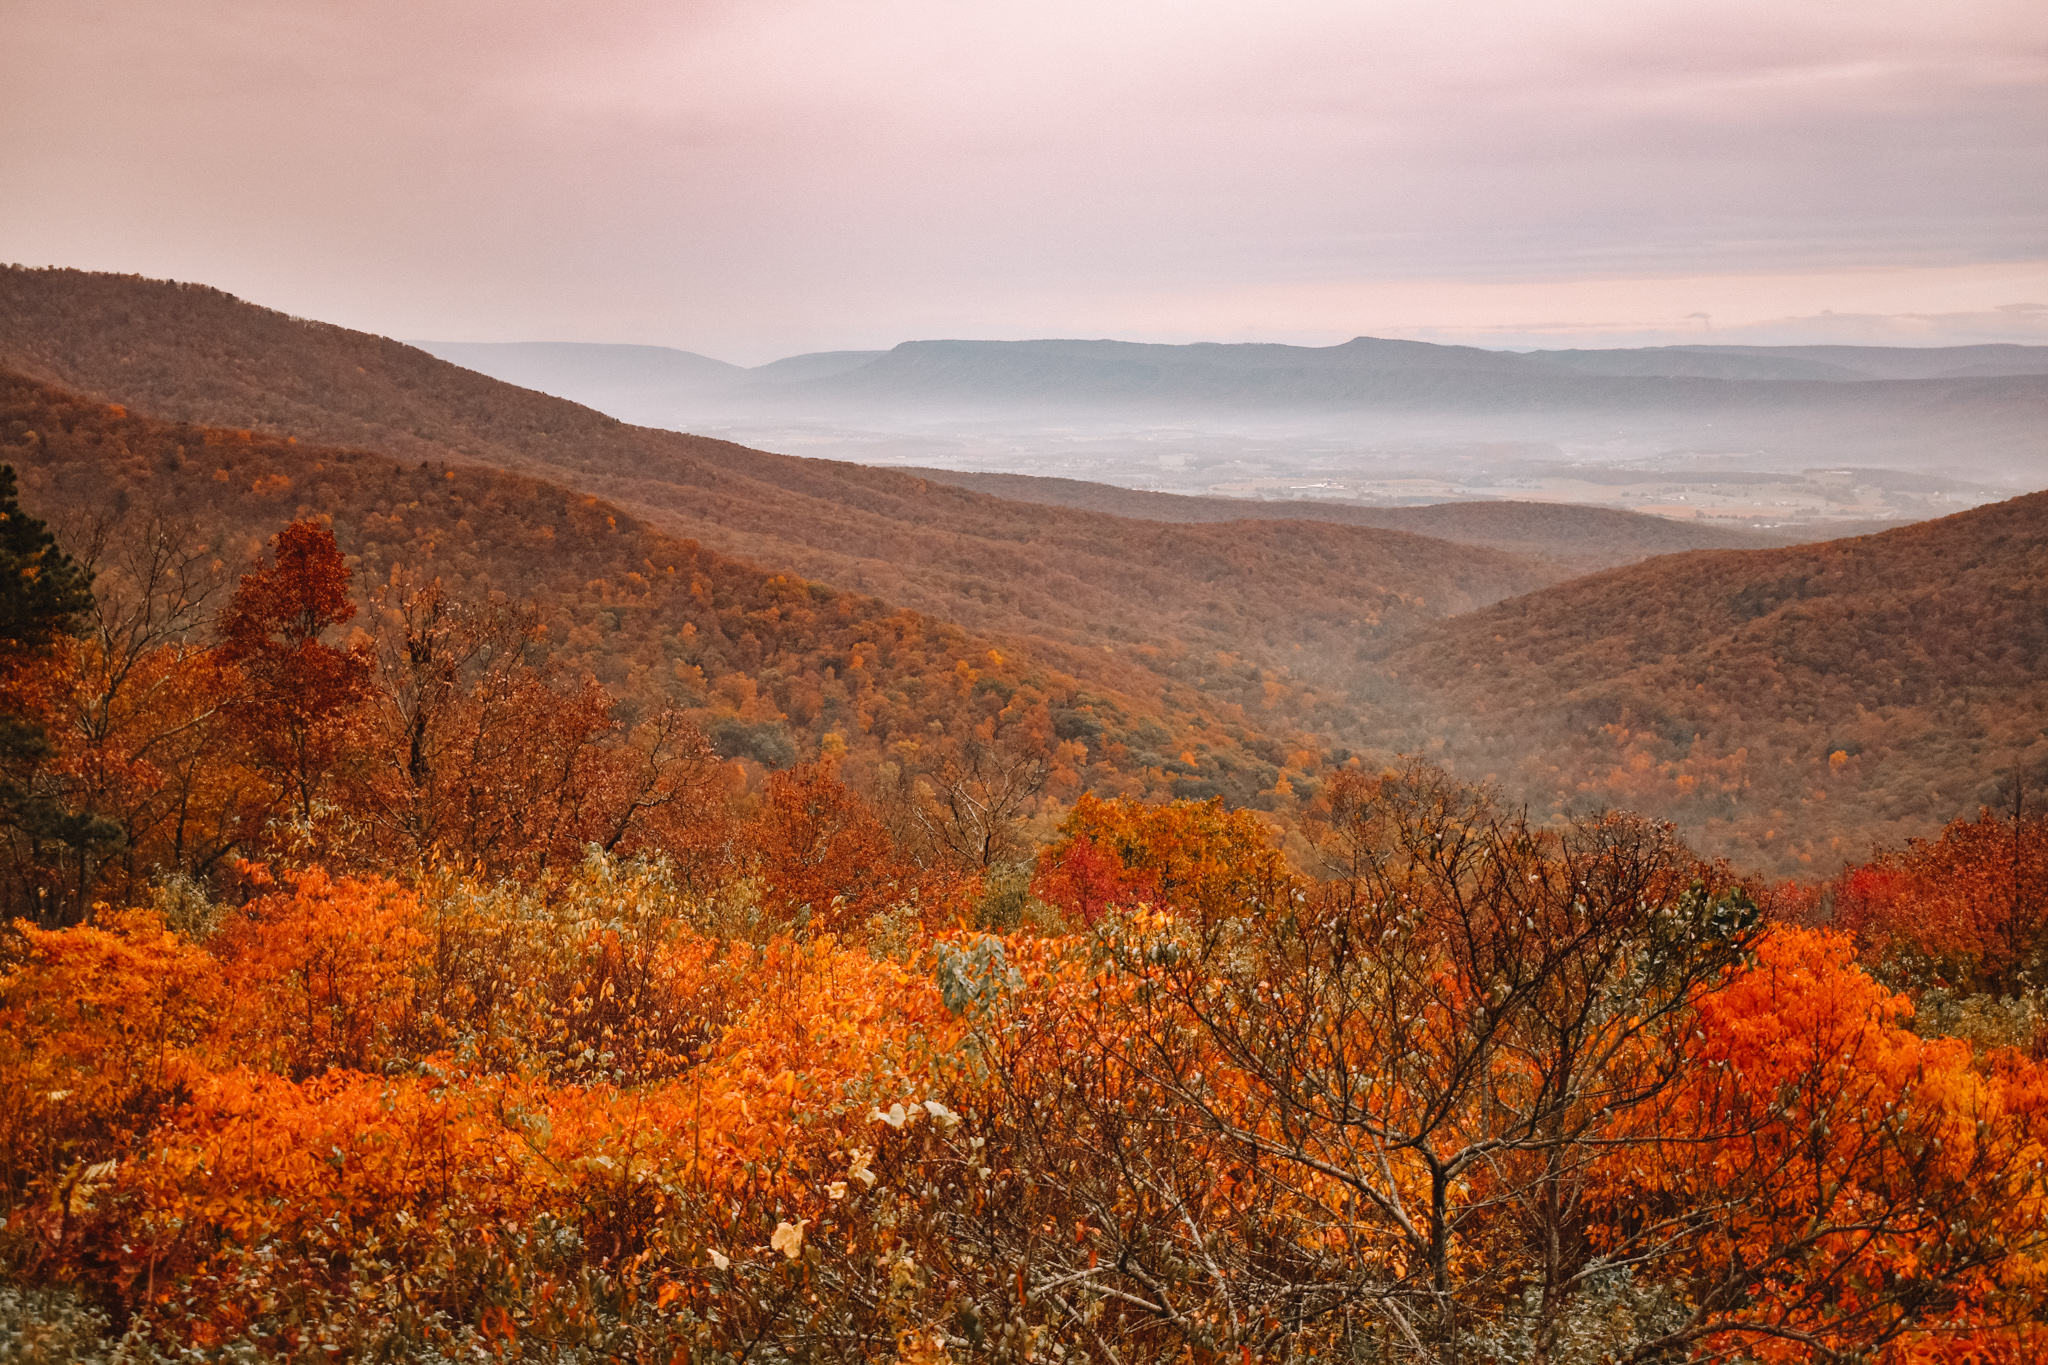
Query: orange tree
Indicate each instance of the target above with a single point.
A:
(825, 859)
(1194, 855)
(475, 753)
(299, 689)
(1824, 1184)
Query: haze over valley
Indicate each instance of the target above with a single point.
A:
(1144, 682)
(1748, 436)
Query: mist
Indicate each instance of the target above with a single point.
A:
(1759, 437)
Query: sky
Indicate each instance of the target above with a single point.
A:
(757, 178)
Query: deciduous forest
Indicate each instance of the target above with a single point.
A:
(452, 915)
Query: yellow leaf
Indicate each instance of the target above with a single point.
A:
(789, 1238)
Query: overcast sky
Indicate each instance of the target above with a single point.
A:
(763, 177)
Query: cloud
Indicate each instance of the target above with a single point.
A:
(750, 178)
(2023, 323)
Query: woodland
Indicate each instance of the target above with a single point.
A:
(1328, 639)
(455, 914)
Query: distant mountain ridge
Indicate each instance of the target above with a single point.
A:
(1369, 372)
(509, 360)
(1364, 371)
(1981, 408)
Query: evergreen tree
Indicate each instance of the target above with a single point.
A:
(44, 593)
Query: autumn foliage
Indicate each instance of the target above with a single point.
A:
(430, 999)
(1967, 910)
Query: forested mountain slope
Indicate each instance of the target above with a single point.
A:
(775, 668)
(1303, 596)
(1778, 723)
(1786, 706)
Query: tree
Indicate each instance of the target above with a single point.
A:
(825, 858)
(44, 596)
(1195, 856)
(43, 592)
(299, 690)
(148, 743)
(1822, 1184)
(967, 799)
(481, 755)
(1965, 912)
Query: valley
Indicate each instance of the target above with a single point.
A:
(1274, 639)
(962, 684)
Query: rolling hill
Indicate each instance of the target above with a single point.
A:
(1303, 598)
(774, 668)
(1785, 706)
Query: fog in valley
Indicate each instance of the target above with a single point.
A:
(1745, 436)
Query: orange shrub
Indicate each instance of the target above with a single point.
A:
(324, 975)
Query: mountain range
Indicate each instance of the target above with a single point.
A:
(1981, 409)
(1212, 373)
(1784, 704)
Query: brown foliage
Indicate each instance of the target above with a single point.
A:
(1286, 600)
(1787, 707)
(825, 859)
(773, 668)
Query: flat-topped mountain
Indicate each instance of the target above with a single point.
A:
(1369, 372)
(1977, 408)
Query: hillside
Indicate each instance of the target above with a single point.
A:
(1296, 596)
(1218, 649)
(1581, 539)
(771, 664)
(1785, 706)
